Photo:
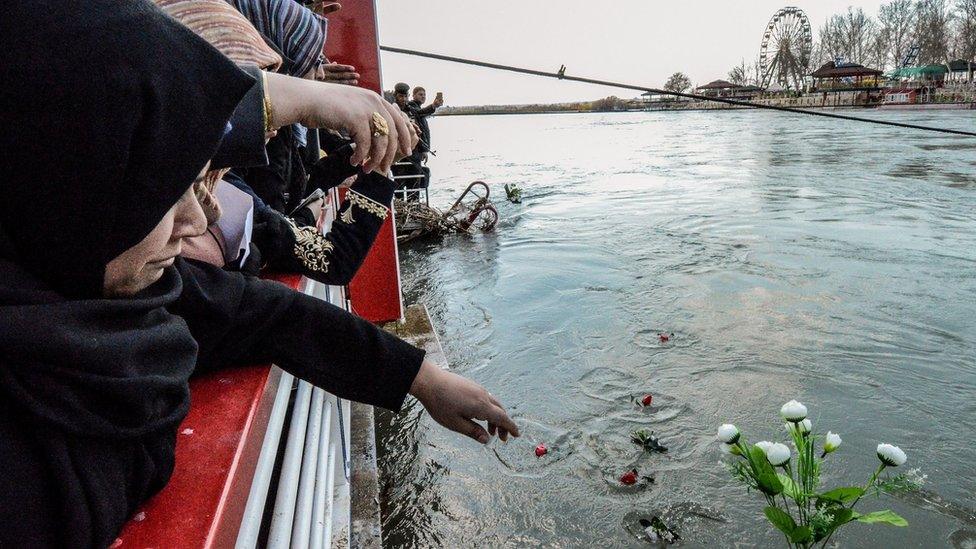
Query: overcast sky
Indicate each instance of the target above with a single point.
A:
(638, 41)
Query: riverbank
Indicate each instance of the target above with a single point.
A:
(848, 100)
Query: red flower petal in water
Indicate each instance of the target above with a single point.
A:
(664, 337)
(629, 478)
(646, 401)
(541, 450)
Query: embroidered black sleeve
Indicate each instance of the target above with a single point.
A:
(334, 257)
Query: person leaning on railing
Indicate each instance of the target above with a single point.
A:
(101, 323)
(293, 242)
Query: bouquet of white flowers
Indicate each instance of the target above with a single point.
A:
(791, 483)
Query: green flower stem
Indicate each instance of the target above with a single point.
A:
(867, 487)
(870, 483)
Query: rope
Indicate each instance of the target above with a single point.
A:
(561, 75)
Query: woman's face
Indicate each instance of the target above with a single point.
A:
(142, 265)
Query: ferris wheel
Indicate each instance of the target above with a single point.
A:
(784, 57)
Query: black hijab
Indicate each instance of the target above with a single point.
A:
(109, 111)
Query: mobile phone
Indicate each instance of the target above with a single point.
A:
(317, 194)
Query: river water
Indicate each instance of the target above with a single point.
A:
(790, 257)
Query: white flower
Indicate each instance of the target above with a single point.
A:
(892, 456)
(831, 442)
(778, 454)
(728, 433)
(803, 427)
(793, 411)
(764, 445)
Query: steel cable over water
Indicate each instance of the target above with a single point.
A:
(561, 75)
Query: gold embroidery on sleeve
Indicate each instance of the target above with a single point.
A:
(364, 202)
(312, 248)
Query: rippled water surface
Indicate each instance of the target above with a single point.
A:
(830, 262)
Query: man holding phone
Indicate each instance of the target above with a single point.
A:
(420, 113)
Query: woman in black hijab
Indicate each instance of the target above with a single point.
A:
(111, 111)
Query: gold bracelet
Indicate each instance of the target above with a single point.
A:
(269, 125)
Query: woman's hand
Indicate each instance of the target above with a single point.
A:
(340, 74)
(346, 109)
(456, 402)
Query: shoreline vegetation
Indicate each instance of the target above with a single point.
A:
(614, 104)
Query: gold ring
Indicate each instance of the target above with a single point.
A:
(379, 126)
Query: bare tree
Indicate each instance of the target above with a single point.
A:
(678, 83)
(934, 30)
(829, 41)
(965, 45)
(897, 21)
(851, 36)
(858, 33)
(741, 74)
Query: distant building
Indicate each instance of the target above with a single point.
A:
(728, 90)
(833, 76)
(961, 70)
(927, 75)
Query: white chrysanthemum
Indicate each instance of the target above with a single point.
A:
(728, 433)
(892, 456)
(803, 427)
(831, 442)
(778, 454)
(793, 411)
(764, 445)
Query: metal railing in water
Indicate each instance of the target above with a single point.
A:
(311, 506)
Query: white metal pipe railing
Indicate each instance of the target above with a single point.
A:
(311, 507)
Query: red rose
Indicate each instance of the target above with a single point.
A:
(646, 401)
(629, 478)
(664, 337)
(541, 450)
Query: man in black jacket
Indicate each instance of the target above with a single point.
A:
(420, 113)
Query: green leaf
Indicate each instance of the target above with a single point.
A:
(887, 516)
(781, 520)
(802, 534)
(843, 496)
(765, 474)
(789, 488)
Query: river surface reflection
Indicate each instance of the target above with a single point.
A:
(799, 258)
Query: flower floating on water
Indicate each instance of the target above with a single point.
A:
(629, 478)
(646, 440)
(664, 338)
(831, 442)
(647, 399)
(793, 411)
(541, 450)
(728, 433)
(892, 456)
(777, 453)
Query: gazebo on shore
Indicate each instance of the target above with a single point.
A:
(833, 76)
(961, 70)
(728, 90)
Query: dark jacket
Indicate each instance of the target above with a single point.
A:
(420, 114)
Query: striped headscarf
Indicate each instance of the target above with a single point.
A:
(234, 36)
(297, 32)
(226, 29)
